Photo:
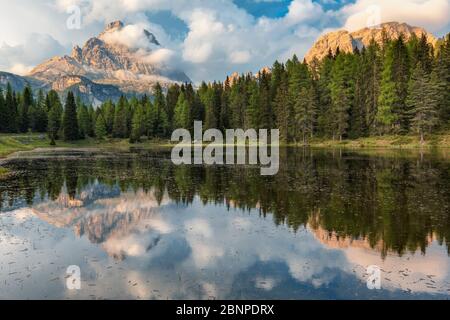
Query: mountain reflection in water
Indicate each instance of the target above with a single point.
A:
(140, 227)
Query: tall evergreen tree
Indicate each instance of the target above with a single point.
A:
(11, 120)
(171, 101)
(161, 120)
(182, 116)
(342, 94)
(100, 126)
(26, 102)
(70, 119)
(422, 100)
(252, 113)
(282, 108)
(3, 113)
(325, 117)
(55, 114)
(266, 115)
(305, 111)
(38, 114)
(138, 126)
(84, 121)
(120, 126)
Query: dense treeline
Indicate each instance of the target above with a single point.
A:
(398, 87)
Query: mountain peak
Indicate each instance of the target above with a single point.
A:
(115, 25)
(348, 41)
(110, 59)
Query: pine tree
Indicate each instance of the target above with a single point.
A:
(100, 127)
(120, 126)
(342, 93)
(84, 121)
(70, 119)
(266, 116)
(26, 102)
(386, 115)
(370, 78)
(38, 114)
(171, 101)
(252, 113)
(397, 67)
(442, 69)
(282, 109)
(224, 122)
(55, 114)
(305, 111)
(161, 122)
(150, 118)
(420, 51)
(3, 113)
(109, 113)
(325, 117)
(238, 103)
(182, 113)
(11, 119)
(208, 100)
(422, 100)
(138, 125)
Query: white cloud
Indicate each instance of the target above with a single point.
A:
(240, 57)
(221, 36)
(131, 36)
(433, 15)
(36, 48)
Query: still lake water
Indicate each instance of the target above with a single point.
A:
(141, 228)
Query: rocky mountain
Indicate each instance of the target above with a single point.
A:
(89, 91)
(102, 69)
(105, 61)
(349, 41)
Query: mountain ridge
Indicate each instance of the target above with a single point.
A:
(348, 41)
(105, 62)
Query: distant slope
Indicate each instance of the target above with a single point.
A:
(18, 83)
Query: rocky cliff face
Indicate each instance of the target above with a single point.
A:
(349, 41)
(103, 61)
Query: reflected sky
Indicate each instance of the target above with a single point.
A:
(132, 243)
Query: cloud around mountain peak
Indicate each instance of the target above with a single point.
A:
(219, 36)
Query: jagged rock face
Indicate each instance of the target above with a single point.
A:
(105, 62)
(349, 41)
(234, 77)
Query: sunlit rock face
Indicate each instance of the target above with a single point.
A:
(112, 58)
(348, 41)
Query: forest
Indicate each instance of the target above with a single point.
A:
(396, 87)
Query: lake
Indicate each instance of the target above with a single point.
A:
(139, 227)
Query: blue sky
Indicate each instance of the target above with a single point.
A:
(208, 39)
(262, 8)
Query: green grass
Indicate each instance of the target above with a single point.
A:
(441, 140)
(10, 143)
(3, 172)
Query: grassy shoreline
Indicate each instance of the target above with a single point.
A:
(11, 143)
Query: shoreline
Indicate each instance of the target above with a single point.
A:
(13, 143)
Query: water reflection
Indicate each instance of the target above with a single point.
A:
(140, 227)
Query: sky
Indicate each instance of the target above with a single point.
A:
(208, 39)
